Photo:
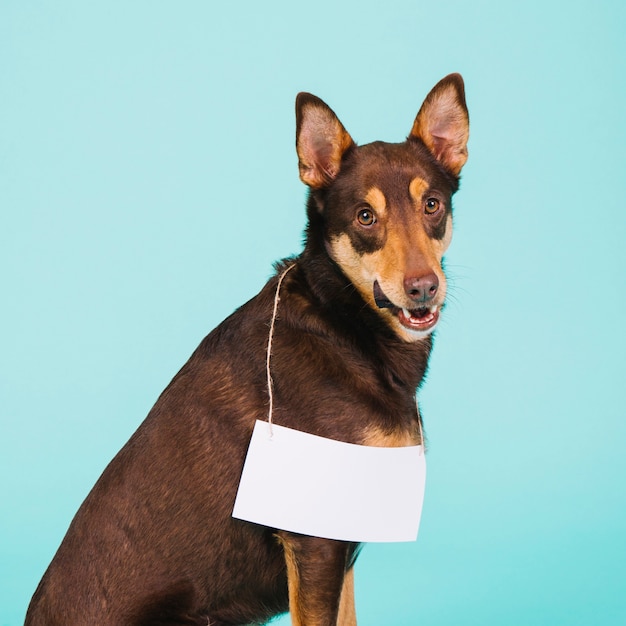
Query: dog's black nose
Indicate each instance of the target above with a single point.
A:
(421, 288)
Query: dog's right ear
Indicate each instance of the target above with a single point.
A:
(321, 141)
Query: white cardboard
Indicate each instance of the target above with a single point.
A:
(315, 486)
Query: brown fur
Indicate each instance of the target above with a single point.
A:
(154, 542)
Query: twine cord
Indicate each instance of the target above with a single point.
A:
(419, 428)
(270, 382)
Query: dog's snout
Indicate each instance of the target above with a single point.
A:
(421, 288)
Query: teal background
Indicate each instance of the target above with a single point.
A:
(148, 180)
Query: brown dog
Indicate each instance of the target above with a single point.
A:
(154, 542)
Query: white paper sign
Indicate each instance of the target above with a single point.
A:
(326, 488)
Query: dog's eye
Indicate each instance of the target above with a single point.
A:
(432, 206)
(366, 217)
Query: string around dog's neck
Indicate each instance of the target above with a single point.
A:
(270, 382)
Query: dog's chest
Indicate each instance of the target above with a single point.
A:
(395, 438)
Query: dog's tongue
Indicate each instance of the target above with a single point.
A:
(382, 301)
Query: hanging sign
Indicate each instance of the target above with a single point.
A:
(316, 486)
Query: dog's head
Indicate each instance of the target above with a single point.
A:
(386, 208)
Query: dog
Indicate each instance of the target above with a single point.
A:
(154, 543)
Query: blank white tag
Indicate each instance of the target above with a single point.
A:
(326, 488)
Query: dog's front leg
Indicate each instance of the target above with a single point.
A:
(320, 591)
(347, 609)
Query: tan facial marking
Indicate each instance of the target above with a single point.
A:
(376, 199)
(362, 270)
(441, 245)
(417, 189)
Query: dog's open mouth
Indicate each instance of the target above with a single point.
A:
(422, 318)
(418, 319)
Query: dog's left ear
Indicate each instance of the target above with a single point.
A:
(321, 141)
(443, 123)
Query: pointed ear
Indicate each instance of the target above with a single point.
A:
(443, 123)
(321, 141)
